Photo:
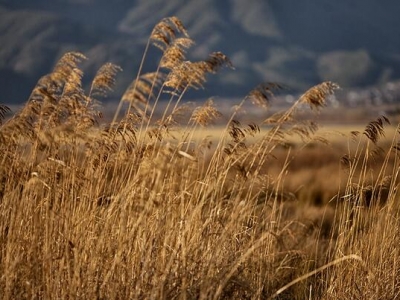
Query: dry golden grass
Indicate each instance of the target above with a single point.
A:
(150, 208)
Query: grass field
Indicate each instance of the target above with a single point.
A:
(170, 207)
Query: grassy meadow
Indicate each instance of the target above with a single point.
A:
(170, 206)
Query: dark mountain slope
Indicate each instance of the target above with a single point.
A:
(299, 43)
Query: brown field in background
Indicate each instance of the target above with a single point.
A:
(315, 174)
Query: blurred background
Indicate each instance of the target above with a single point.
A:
(297, 43)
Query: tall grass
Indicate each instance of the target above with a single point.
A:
(139, 209)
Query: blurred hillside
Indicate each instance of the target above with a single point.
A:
(298, 43)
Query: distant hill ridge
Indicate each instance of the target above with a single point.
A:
(299, 43)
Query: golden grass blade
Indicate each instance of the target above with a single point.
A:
(316, 271)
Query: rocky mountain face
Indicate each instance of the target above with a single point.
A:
(298, 43)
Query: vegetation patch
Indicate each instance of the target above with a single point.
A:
(142, 208)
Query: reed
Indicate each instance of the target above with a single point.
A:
(139, 208)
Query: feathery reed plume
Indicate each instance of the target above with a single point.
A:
(238, 135)
(316, 96)
(346, 161)
(177, 115)
(397, 147)
(303, 130)
(3, 111)
(65, 80)
(142, 89)
(64, 67)
(165, 32)
(377, 152)
(126, 128)
(44, 102)
(193, 74)
(236, 132)
(205, 114)
(261, 95)
(354, 134)
(374, 130)
(216, 61)
(175, 53)
(186, 74)
(73, 84)
(104, 81)
(252, 129)
(72, 107)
